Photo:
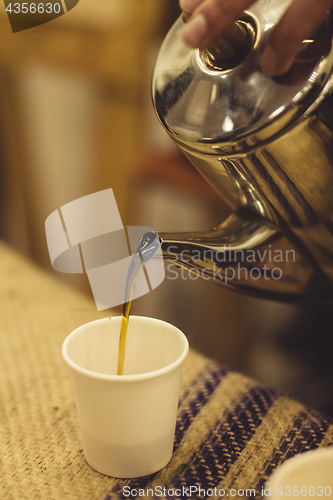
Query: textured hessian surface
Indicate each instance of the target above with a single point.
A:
(231, 431)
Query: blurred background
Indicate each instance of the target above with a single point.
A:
(75, 118)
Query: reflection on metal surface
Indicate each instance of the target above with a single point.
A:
(265, 144)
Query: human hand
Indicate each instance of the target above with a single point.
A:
(211, 17)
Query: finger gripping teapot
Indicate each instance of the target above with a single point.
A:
(266, 145)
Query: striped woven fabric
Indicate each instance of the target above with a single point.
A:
(231, 434)
(231, 431)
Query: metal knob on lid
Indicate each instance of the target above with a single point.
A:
(231, 47)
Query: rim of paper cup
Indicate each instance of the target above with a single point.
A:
(289, 465)
(124, 378)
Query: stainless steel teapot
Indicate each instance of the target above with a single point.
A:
(266, 145)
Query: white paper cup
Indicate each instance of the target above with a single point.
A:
(307, 476)
(127, 422)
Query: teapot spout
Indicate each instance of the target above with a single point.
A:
(246, 256)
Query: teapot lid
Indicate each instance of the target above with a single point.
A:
(220, 97)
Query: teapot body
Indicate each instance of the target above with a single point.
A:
(264, 144)
(288, 183)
